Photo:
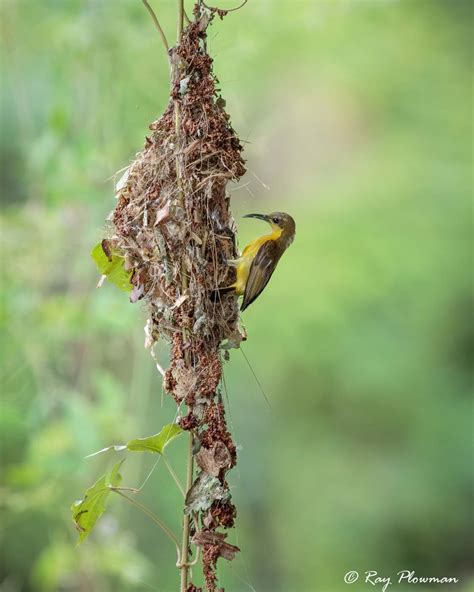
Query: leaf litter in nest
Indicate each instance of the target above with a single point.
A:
(216, 539)
(186, 380)
(205, 490)
(213, 460)
(172, 217)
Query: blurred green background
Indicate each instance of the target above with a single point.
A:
(356, 117)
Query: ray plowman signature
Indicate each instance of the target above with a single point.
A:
(405, 576)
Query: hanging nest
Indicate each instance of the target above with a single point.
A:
(173, 225)
(172, 221)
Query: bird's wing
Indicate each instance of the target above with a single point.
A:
(261, 271)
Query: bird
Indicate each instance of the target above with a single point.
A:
(259, 259)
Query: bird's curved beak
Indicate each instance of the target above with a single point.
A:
(259, 216)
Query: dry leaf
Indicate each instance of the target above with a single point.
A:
(180, 301)
(122, 181)
(205, 490)
(162, 214)
(205, 539)
(213, 460)
(185, 382)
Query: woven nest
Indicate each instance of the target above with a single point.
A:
(173, 222)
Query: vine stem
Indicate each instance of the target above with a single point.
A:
(157, 24)
(187, 520)
(225, 9)
(173, 475)
(151, 515)
(180, 18)
(184, 563)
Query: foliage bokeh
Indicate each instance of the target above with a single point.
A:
(356, 118)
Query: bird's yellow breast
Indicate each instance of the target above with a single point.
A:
(248, 255)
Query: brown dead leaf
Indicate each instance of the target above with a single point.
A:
(204, 539)
(162, 214)
(208, 519)
(185, 382)
(180, 301)
(213, 460)
(235, 338)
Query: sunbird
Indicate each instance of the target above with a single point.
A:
(259, 259)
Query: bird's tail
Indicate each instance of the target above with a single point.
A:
(216, 294)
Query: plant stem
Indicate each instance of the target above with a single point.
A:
(224, 9)
(173, 475)
(157, 24)
(153, 516)
(187, 520)
(184, 564)
(180, 18)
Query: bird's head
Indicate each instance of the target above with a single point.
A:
(279, 221)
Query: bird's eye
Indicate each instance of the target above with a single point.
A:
(275, 219)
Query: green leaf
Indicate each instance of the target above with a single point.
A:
(111, 264)
(87, 511)
(157, 442)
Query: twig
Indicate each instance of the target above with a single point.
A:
(186, 521)
(180, 19)
(157, 25)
